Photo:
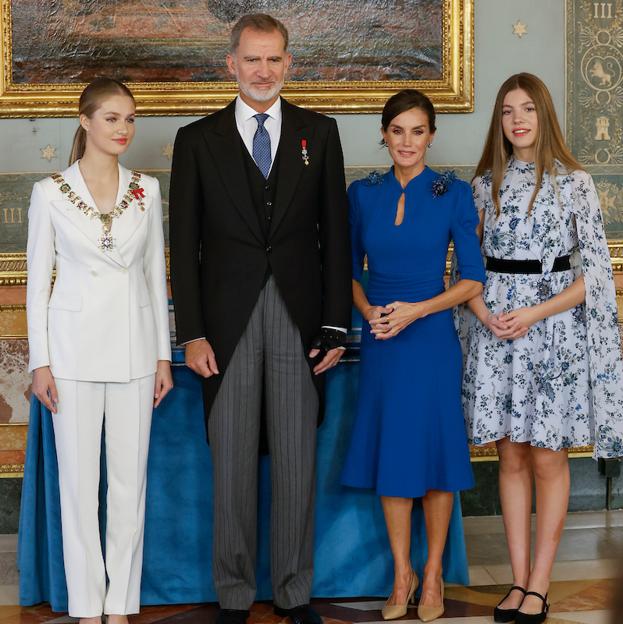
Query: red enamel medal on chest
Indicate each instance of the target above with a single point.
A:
(304, 154)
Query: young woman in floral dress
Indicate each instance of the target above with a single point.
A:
(543, 370)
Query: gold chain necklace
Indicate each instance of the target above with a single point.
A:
(105, 242)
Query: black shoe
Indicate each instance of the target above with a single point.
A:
(533, 618)
(232, 616)
(507, 615)
(303, 614)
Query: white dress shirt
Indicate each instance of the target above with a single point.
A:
(247, 125)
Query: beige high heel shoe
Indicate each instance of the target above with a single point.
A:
(392, 612)
(428, 614)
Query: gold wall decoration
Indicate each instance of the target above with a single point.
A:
(12, 449)
(174, 61)
(13, 265)
(489, 452)
(13, 321)
(12, 269)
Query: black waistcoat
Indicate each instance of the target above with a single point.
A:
(263, 190)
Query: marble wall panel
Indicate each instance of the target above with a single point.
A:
(14, 405)
(483, 499)
(589, 489)
(10, 495)
(616, 492)
(14, 381)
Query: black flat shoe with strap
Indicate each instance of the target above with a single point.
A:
(507, 615)
(533, 618)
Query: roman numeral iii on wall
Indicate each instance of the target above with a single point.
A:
(603, 10)
(11, 216)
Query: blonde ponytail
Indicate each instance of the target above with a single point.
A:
(90, 100)
(78, 146)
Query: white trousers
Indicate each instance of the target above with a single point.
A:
(123, 411)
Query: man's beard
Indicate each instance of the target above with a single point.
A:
(260, 95)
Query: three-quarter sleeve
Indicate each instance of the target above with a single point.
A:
(466, 241)
(357, 250)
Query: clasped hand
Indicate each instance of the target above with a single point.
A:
(387, 322)
(512, 325)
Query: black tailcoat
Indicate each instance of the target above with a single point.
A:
(221, 253)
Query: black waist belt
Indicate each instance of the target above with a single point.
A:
(528, 267)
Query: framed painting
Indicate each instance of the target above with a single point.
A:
(349, 55)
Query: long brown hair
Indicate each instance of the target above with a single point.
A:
(90, 100)
(550, 144)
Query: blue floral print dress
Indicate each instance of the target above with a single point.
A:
(561, 385)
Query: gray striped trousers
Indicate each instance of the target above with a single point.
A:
(268, 362)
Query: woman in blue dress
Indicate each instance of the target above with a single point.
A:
(409, 436)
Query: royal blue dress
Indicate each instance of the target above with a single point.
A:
(409, 433)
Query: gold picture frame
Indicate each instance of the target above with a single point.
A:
(453, 92)
(12, 269)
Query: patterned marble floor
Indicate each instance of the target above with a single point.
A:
(586, 581)
(572, 602)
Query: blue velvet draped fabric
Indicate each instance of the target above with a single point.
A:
(352, 556)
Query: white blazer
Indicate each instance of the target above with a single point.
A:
(107, 318)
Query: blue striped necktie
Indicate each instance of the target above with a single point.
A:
(261, 145)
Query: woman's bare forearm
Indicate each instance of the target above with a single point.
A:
(359, 297)
(566, 299)
(478, 306)
(464, 290)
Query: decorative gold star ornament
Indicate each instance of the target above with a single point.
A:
(520, 29)
(48, 152)
(167, 151)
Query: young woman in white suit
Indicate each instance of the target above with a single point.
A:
(99, 345)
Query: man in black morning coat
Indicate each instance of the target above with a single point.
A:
(260, 270)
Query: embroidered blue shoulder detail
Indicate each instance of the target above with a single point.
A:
(374, 178)
(443, 182)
